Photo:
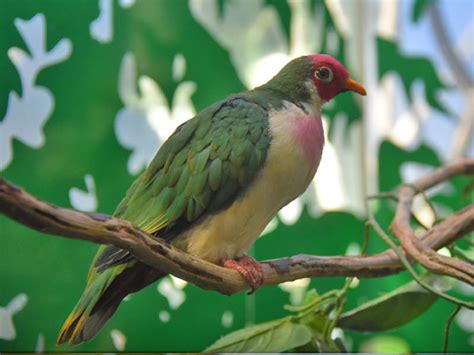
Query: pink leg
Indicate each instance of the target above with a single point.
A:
(250, 269)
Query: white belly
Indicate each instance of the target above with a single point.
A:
(286, 175)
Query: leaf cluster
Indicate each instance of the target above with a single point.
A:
(310, 326)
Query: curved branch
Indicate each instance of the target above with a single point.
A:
(99, 228)
(401, 228)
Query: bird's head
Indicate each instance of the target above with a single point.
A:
(330, 77)
(316, 77)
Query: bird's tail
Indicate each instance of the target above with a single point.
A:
(101, 298)
(87, 318)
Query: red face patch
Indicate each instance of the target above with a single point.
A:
(329, 76)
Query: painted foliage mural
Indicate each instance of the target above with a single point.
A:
(91, 89)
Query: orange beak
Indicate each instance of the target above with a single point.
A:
(353, 85)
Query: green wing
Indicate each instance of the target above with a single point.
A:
(202, 167)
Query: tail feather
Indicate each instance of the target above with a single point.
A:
(73, 326)
(101, 298)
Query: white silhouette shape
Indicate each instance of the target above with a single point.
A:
(118, 339)
(7, 329)
(39, 347)
(164, 316)
(172, 288)
(296, 290)
(84, 200)
(146, 120)
(27, 114)
(179, 67)
(126, 3)
(227, 319)
(101, 28)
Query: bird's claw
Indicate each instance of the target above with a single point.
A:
(250, 269)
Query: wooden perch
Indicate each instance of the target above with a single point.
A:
(103, 229)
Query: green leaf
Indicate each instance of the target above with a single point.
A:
(410, 69)
(419, 7)
(391, 310)
(275, 336)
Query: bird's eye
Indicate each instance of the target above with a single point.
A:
(324, 74)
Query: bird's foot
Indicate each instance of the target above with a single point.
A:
(250, 269)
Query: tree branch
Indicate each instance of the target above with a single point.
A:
(103, 229)
(401, 228)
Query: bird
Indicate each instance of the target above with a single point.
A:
(216, 182)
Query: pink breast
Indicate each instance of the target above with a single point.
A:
(310, 137)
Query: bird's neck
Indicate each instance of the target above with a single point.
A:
(275, 97)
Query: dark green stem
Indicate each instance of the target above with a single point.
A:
(448, 327)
